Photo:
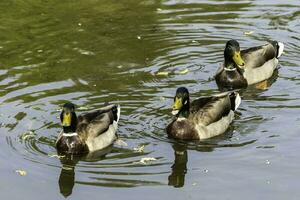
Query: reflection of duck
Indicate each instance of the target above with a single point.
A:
(179, 168)
(247, 67)
(67, 175)
(203, 118)
(89, 132)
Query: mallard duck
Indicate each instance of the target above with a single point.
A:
(247, 67)
(89, 132)
(203, 118)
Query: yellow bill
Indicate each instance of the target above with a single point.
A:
(66, 119)
(238, 59)
(177, 105)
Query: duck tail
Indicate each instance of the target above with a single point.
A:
(279, 46)
(118, 112)
(236, 100)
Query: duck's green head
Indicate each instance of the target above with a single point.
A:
(181, 100)
(232, 55)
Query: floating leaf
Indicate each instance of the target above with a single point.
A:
(248, 32)
(21, 172)
(139, 149)
(162, 73)
(147, 160)
(183, 72)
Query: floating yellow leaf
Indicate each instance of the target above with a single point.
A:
(183, 72)
(21, 172)
(147, 160)
(162, 73)
(248, 32)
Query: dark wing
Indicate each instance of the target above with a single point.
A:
(97, 122)
(210, 109)
(199, 103)
(257, 56)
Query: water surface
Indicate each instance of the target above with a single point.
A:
(95, 51)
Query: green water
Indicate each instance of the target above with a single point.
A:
(95, 51)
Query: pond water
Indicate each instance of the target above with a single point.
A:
(95, 51)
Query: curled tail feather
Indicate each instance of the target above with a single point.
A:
(236, 100)
(280, 47)
(116, 112)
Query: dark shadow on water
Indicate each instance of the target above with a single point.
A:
(180, 147)
(66, 179)
(179, 168)
(254, 91)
